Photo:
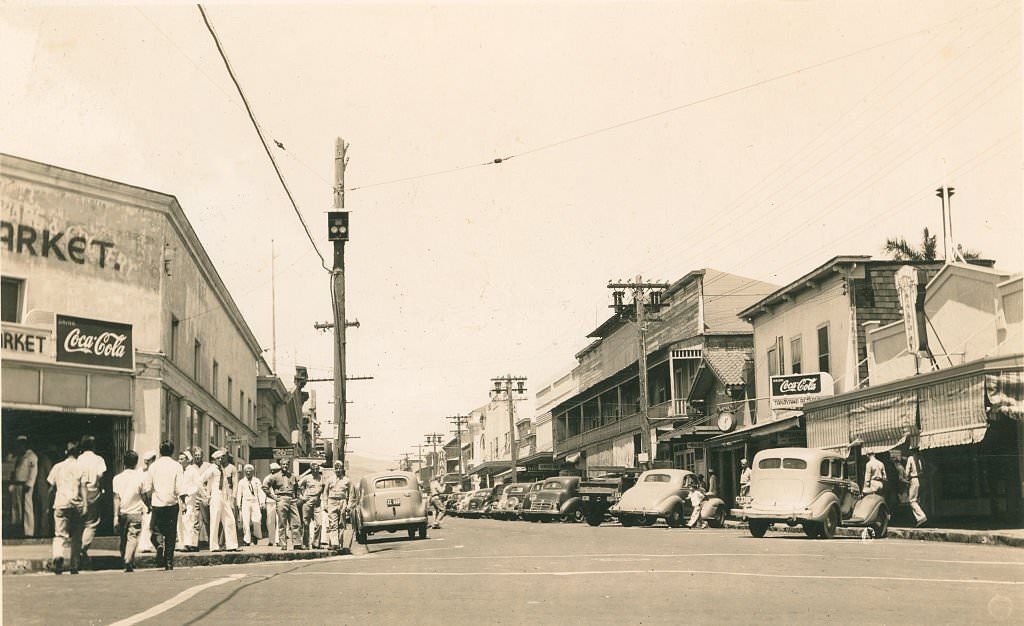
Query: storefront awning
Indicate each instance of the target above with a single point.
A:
(488, 468)
(1005, 392)
(883, 422)
(829, 429)
(953, 412)
(757, 430)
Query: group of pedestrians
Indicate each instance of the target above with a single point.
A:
(75, 487)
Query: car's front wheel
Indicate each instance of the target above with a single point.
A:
(829, 524)
(718, 521)
(758, 527)
(595, 520)
(674, 518)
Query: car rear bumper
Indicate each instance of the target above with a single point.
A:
(789, 516)
(395, 524)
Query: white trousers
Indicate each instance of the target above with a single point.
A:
(251, 520)
(145, 541)
(913, 495)
(221, 513)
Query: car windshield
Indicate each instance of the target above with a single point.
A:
(552, 484)
(657, 478)
(391, 483)
(536, 486)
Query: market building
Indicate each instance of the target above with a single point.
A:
(115, 323)
(948, 382)
(696, 347)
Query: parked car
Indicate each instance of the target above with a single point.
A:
(389, 501)
(507, 506)
(451, 503)
(602, 489)
(493, 499)
(557, 499)
(809, 487)
(531, 492)
(657, 494)
(476, 502)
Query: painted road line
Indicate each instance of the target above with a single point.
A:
(660, 555)
(955, 581)
(175, 601)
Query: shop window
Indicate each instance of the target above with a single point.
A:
(12, 297)
(823, 349)
(797, 354)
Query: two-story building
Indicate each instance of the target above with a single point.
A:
(115, 322)
(694, 325)
(947, 380)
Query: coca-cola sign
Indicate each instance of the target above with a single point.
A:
(792, 391)
(94, 342)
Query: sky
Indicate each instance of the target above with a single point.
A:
(647, 138)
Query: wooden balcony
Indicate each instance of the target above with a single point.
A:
(624, 425)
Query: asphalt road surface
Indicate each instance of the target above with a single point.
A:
(492, 572)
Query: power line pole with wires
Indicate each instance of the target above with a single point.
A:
(646, 299)
(433, 439)
(509, 385)
(337, 233)
(459, 420)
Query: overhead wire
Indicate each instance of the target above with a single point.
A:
(263, 140)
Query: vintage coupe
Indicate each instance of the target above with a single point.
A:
(557, 499)
(507, 506)
(389, 501)
(663, 494)
(476, 503)
(809, 487)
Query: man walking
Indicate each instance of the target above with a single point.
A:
(130, 495)
(271, 500)
(914, 469)
(251, 501)
(22, 487)
(221, 509)
(93, 468)
(67, 486)
(436, 502)
(199, 507)
(874, 475)
(337, 493)
(311, 486)
(145, 545)
(164, 484)
(284, 489)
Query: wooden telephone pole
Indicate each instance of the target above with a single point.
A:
(459, 420)
(337, 224)
(504, 385)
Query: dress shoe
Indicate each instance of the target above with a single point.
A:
(58, 565)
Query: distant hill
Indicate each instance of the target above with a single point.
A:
(359, 466)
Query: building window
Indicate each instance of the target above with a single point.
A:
(231, 390)
(780, 343)
(197, 361)
(797, 354)
(215, 376)
(823, 349)
(241, 405)
(172, 346)
(773, 361)
(12, 297)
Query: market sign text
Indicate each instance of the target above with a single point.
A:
(24, 239)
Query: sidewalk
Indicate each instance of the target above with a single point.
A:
(1012, 537)
(34, 556)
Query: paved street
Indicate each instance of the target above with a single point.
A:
(485, 571)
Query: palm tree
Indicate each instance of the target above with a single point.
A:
(901, 250)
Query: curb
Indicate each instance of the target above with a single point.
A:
(913, 534)
(188, 559)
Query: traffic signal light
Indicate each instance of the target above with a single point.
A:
(337, 226)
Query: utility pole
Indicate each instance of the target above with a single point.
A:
(337, 232)
(433, 439)
(459, 421)
(642, 292)
(508, 385)
(273, 308)
(948, 243)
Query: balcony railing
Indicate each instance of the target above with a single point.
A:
(601, 433)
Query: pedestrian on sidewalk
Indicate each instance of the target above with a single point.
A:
(199, 502)
(164, 484)
(437, 502)
(744, 478)
(22, 487)
(696, 497)
(271, 508)
(68, 490)
(337, 493)
(874, 475)
(130, 496)
(914, 470)
(251, 502)
(185, 517)
(311, 488)
(221, 504)
(93, 468)
(145, 544)
(285, 489)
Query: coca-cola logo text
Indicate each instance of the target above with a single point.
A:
(804, 385)
(103, 344)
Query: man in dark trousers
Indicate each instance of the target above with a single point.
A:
(164, 482)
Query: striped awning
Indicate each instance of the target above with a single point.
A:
(829, 428)
(882, 422)
(953, 412)
(1005, 392)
